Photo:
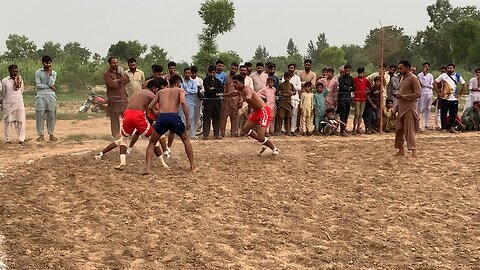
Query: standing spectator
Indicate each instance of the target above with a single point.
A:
(212, 105)
(259, 78)
(46, 99)
(249, 67)
(191, 98)
(319, 103)
(437, 102)
(284, 113)
(297, 87)
(346, 88)
(407, 97)
(220, 75)
(13, 107)
(474, 87)
(306, 110)
(425, 100)
(268, 94)
(306, 75)
(449, 96)
(157, 73)
(361, 86)
(271, 74)
(115, 79)
(230, 105)
(392, 85)
(413, 70)
(332, 85)
(248, 79)
(201, 91)
(372, 108)
(136, 76)
(172, 70)
(386, 79)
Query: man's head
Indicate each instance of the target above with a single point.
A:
(132, 64)
(194, 72)
(112, 61)
(361, 72)
(259, 67)
(175, 80)
(172, 67)
(392, 69)
(156, 84)
(238, 82)
(291, 68)
(377, 81)
(443, 70)
(389, 103)
(319, 87)
(211, 72)
(413, 69)
(157, 71)
(450, 69)
(220, 64)
(271, 69)
(477, 71)
(187, 73)
(270, 82)
(347, 69)
(233, 68)
(307, 65)
(426, 67)
(13, 70)
(382, 67)
(404, 67)
(243, 70)
(476, 105)
(287, 76)
(249, 67)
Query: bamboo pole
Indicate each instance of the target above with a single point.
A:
(382, 78)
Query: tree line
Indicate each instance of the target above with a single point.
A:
(453, 36)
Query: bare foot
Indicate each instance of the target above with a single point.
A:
(193, 168)
(400, 153)
(146, 172)
(414, 154)
(120, 167)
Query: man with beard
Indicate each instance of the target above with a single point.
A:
(259, 78)
(212, 104)
(230, 105)
(46, 99)
(271, 74)
(407, 119)
(136, 76)
(425, 100)
(13, 106)
(115, 79)
(306, 75)
(295, 99)
(449, 96)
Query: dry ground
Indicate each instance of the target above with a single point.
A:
(324, 203)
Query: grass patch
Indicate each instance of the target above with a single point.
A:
(71, 116)
(81, 137)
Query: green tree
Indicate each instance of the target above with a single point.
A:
(396, 45)
(20, 48)
(333, 57)
(292, 49)
(229, 57)
(261, 54)
(75, 49)
(125, 50)
(314, 50)
(52, 49)
(156, 55)
(466, 34)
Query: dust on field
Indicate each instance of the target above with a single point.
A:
(324, 203)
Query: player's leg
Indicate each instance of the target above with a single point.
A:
(133, 141)
(123, 153)
(158, 152)
(107, 149)
(188, 150)
(150, 151)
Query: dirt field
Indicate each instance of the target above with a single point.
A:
(324, 203)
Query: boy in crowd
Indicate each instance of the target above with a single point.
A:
(389, 116)
(268, 95)
(319, 104)
(471, 117)
(360, 98)
(306, 110)
(372, 108)
(330, 124)
(284, 115)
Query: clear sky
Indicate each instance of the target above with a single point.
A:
(174, 25)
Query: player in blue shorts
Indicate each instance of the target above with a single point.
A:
(168, 119)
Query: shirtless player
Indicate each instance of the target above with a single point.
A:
(134, 120)
(168, 119)
(261, 116)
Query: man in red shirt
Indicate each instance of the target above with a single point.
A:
(361, 86)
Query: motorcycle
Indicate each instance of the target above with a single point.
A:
(98, 102)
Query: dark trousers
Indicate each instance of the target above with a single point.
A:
(343, 110)
(284, 117)
(371, 117)
(449, 107)
(212, 110)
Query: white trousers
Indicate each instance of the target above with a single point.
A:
(19, 128)
(474, 96)
(423, 108)
(295, 104)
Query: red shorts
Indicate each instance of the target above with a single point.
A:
(135, 120)
(261, 116)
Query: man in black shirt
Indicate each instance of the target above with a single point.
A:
(212, 105)
(346, 87)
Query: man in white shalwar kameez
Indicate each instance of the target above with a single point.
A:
(13, 107)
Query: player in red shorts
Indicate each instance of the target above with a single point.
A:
(261, 116)
(135, 122)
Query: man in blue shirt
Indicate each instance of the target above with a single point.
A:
(191, 97)
(46, 100)
(220, 75)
